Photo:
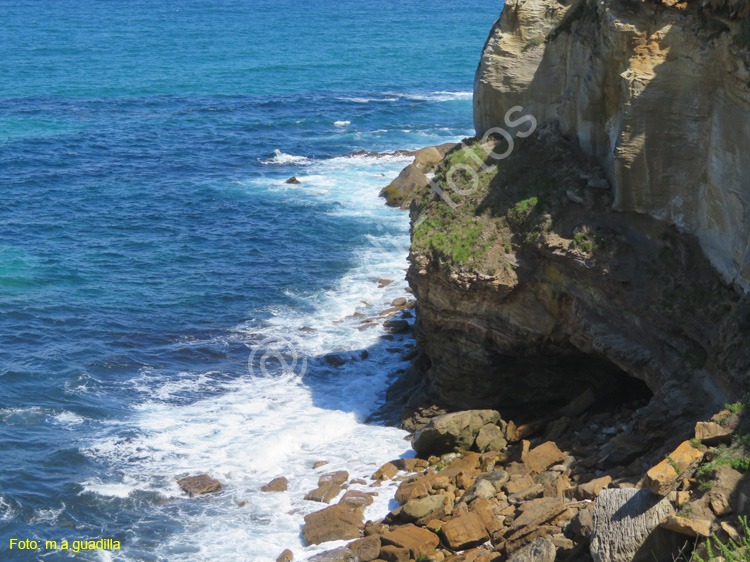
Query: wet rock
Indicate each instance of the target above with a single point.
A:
(382, 283)
(355, 498)
(398, 302)
(452, 432)
(318, 464)
(399, 192)
(342, 554)
(279, 484)
(337, 522)
(539, 550)
(338, 477)
(335, 360)
(286, 556)
(201, 484)
(385, 472)
(324, 493)
(626, 527)
(396, 326)
(293, 180)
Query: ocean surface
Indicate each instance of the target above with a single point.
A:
(166, 300)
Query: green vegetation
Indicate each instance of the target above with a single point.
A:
(735, 408)
(531, 43)
(696, 443)
(730, 552)
(723, 455)
(673, 464)
(684, 510)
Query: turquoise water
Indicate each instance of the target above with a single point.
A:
(150, 252)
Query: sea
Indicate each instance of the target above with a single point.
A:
(167, 300)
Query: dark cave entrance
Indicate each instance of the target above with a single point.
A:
(549, 386)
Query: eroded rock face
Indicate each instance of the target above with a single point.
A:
(554, 296)
(626, 527)
(658, 95)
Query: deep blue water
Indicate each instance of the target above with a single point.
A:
(148, 244)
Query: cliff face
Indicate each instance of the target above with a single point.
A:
(608, 251)
(658, 94)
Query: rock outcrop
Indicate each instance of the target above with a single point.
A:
(658, 93)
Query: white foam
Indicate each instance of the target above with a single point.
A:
(341, 123)
(250, 429)
(280, 158)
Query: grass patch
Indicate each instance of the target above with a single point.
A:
(730, 552)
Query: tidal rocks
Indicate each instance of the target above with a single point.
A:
(293, 180)
(329, 486)
(201, 484)
(279, 484)
(337, 522)
(453, 432)
(416, 540)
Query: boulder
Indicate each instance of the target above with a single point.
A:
(538, 550)
(710, 433)
(465, 531)
(399, 192)
(337, 522)
(400, 301)
(318, 464)
(542, 457)
(481, 489)
(286, 556)
(341, 554)
(452, 432)
(355, 498)
(293, 180)
(416, 509)
(396, 326)
(366, 549)
(385, 472)
(591, 489)
(686, 526)
(662, 478)
(490, 438)
(325, 493)
(201, 484)
(392, 553)
(626, 527)
(338, 477)
(418, 541)
(279, 484)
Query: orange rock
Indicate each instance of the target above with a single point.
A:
(661, 478)
(355, 498)
(515, 485)
(590, 490)
(392, 553)
(201, 484)
(337, 522)
(483, 508)
(418, 541)
(542, 457)
(385, 472)
(366, 549)
(276, 485)
(710, 433)
(464, 532)
(685, 526)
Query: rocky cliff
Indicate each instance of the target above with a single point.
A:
(607, 251)
(657, 93)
